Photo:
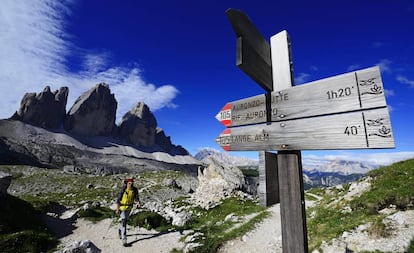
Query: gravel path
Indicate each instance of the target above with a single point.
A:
(265, 238)
(104, 235)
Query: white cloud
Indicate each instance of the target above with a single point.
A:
(34, 50)
(314, 68)
(405, 80)
(302, 78)
(353, 67)
(95, 62)
(389, 93)
(384, 65)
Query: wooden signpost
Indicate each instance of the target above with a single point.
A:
(349, 92)
(355, 130)
(347, 111)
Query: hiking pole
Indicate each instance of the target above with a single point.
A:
(112, 216)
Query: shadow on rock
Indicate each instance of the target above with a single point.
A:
(61, 221)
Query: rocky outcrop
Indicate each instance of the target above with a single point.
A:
(138, 126)
(165, 143)
(81, 246)
(45, 109)
(162, 140)
(216, 182)
(5, 180)
(93, 113)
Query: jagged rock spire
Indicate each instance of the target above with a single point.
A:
(93, 113)
(46, 109)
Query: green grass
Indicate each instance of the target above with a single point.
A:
(96, 214)
(391, 185)
(309, 197)
(215, 230)
(249, 171)
(40, 192)
(21, 229)
(150, 220)
(411, 247)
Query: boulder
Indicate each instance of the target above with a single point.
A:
(46, 109)
(84, 246)
(93, 113)
(138, 126)
(216, 182)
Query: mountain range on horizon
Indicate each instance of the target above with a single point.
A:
(337, 165)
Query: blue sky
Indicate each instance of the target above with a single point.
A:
(179, 57)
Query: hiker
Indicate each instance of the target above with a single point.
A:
(124, 203)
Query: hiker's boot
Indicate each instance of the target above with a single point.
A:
(124, 242)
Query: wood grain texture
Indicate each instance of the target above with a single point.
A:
(368, 129)
(253, 64)
(292, 202)
(282, 69)
(354, 91)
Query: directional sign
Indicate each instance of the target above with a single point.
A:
(348, 92)
(253, 51)
(366, 129)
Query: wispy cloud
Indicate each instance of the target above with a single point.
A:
(314, 68)
(302, 78)
(34, 52)
(405, 80)
(353, 67)
(384, 65)
(377, 44)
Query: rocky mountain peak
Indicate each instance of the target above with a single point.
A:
(93, 113)
(141, 111)
(46, 109)
(139, 126)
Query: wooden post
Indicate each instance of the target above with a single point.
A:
(359, 121)
(292, 202)
(281, 79)
(268, 179)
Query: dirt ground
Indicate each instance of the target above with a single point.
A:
(266, 238)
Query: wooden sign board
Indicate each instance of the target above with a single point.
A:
(253, 50)
(348, 92)
(368, 129)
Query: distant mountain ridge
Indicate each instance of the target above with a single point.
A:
(324, 173)
(224, 158)
(340, 166)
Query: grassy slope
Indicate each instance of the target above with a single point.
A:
(391, 185)
(40, 190)
(21, 229)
